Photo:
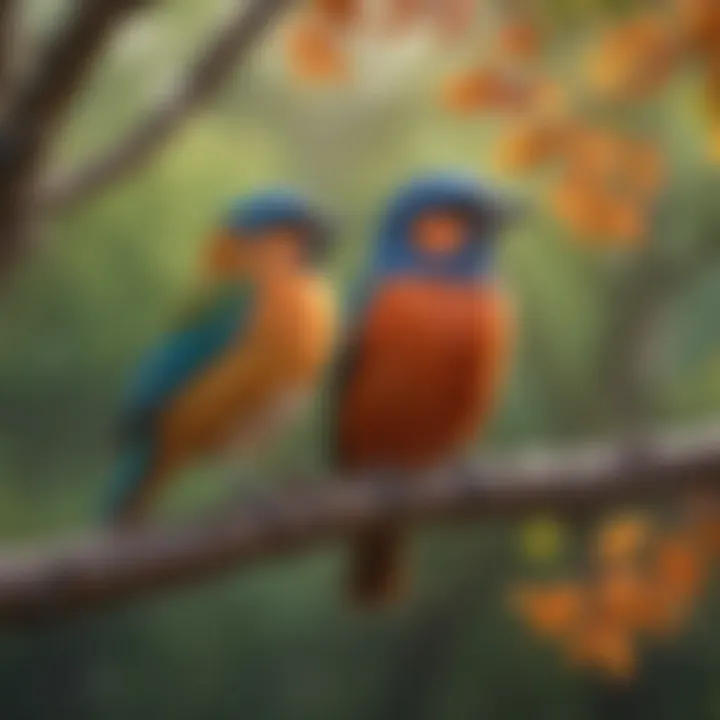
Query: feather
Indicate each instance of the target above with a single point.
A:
(212, 325)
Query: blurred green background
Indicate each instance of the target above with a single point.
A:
(277, 642)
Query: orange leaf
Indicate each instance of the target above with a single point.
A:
(340, 12)
(665, 614)
(315, 53)
(665, 611)
(622, 541)
(551, 611)
(605, 647)
(454, 17)
(403, 13)
(702, 514)
(700, 23)
(633, 59)
(519, 39)
(598, 153)
(549, 98)
(626, 220)
(591, 211)
(628, 599)
(486, 89)
(618, 162)
(530, 144)
(578, 203)
(680, 568)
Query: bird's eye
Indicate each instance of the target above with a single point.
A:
(440, 233)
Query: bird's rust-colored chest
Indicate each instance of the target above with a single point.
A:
(430, 360)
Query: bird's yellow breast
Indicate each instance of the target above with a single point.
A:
(295, 327)
(282, 352)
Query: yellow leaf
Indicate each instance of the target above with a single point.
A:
(604, 647)
(542, 540)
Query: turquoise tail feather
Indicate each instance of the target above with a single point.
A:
(132, 471)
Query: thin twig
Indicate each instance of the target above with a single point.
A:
(34, 110)
(66, 61)
(235, 37)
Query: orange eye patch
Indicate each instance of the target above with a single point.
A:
(440, 233)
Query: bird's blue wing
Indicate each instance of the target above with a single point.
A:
(185, 352)
(180, 356)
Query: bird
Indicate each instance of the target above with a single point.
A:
(234, 369)
(426, 354)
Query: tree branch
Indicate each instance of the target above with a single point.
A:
(65, 63)
(8, 13)
(110, 568)
(233, 40)
(32, 113)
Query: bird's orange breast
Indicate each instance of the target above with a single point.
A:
(430, 361)
(284, 353)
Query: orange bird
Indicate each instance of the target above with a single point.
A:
(234, 370)
(428, 351)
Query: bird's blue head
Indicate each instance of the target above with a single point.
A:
(267, 235)
(261, 215)
(442, 226)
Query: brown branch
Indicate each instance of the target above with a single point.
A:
(8, 13)
(65, 63)
(235, 37)
(110, 568)
(33, 112)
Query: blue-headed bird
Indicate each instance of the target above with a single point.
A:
(426, 354)
(256, 342)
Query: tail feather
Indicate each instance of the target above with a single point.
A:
(377, 568)
(130, 488)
